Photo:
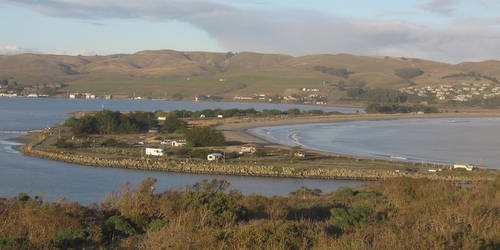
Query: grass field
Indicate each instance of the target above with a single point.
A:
(224, 87)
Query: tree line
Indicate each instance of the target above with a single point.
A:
(472, 74)
(111, 122)
(408, 73)
(384, 96)
(340, 72)
(397, 108)
(116, 122)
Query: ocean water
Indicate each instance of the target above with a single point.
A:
(427, 141)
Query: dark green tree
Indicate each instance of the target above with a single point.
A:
(205, 136)
(84, 125)
(173, 123)
(177, 97)
(293, 112)
(408, 73)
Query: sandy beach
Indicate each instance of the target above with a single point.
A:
(238, 132)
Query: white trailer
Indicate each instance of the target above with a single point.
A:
(215, 157)
(155, 151)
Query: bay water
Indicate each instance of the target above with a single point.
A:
(429, 141)
(85, 184)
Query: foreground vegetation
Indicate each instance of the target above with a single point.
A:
(399, 213)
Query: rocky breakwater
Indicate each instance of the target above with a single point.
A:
(202, 167)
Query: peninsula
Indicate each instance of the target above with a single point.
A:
(279, 161)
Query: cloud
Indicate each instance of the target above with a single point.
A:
(443, 7)
(83, 52)
(297, 32)
(126, 9)
(11, 49)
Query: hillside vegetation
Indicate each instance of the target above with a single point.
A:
(399, 213)
(254, 76)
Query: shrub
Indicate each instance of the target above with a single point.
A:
(344, 218)
(12, 241)
(120, 224)
(114, 143)
(205, 136)
(260, 152)
(157, 224)
(63, 143)
(68, 238)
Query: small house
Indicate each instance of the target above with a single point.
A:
(179, 143)
(249, 150)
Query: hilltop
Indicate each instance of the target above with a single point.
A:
(247, 76)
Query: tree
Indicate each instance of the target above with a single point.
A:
(173, 123)
(293, 112)
(85, 125)
(177, 97)
(355, 92)
(260, 153)
(107, 121)
(229, 54)
(144, 120)
(205, 136)
(344, 218)
(408, 73)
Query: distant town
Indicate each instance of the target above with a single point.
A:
(462, 92)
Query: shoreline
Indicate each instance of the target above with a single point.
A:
(239, 132)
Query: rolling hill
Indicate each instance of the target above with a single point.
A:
(162, 73)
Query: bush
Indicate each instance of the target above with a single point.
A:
(344, 218)
(157, 225)
(260, 153)
(68, 238)
(12, 241)
(120, 224)
(63, 143)
(114, 143)
(205, 136)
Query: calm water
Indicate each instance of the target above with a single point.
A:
(85, 184)
(431, 141)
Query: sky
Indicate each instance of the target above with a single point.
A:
(450, 31)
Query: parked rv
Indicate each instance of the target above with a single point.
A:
(155, 151)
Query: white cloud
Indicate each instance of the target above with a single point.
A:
(11, 49)
(443, 7)
(297, 32)
(82, 52)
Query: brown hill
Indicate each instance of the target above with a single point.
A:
(157, 73)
